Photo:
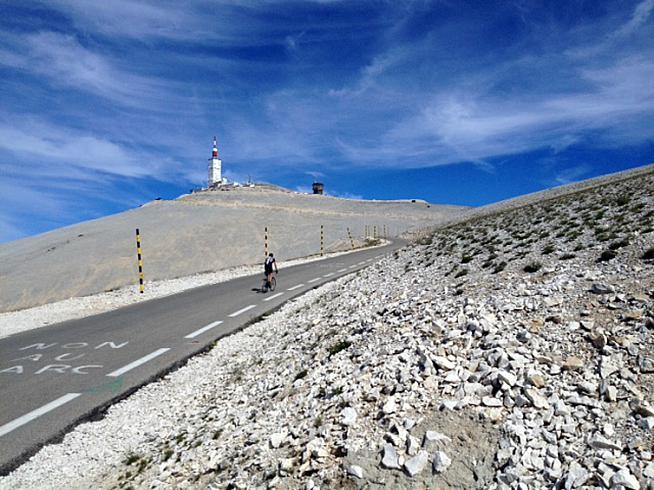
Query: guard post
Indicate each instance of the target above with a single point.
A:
(322, 240)
(265, 242)
(140, 259)
(349, 235)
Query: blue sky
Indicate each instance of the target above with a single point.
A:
(107, 105)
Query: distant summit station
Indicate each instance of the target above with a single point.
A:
(215, 167)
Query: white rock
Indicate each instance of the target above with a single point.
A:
(577, 476)
(355, 471)
(443, 363)
(390, 406)
(491, 401)
(416, 464)
(286, 464)
(348, 416)
(277, 439)
(507, 377)
(412, 446)
(599, 442)
(536, 399)
(390, 459)
(625, 479)
(433, 436)
(441, 462)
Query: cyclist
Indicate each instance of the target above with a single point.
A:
(268, 266)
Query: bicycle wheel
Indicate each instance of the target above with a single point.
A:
(273, 283)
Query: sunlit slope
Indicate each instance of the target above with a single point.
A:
(195, 233)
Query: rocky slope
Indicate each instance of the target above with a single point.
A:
(205, 231)
(511, 350)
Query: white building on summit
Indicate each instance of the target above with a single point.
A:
(215, 167)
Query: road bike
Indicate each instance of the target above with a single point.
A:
(269, 286)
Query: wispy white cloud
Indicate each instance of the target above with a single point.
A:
(572, 174)
(63, 61)
(143, 19)
(52, 145)
(640, 15)
(345, 195)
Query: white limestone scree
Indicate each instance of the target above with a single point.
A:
(215, 166)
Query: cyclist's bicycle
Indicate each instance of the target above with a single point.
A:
(269, 286)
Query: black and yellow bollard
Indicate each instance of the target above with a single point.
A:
(322, 240)
(349, 235)
(138, 253)
(265, 242)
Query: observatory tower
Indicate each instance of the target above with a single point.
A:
(215, 167)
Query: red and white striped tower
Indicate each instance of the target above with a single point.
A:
(215, 166)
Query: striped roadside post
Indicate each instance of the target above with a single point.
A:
(265, 242)
(384, 232)
(374, 231)
(140, 259)
(322, 240)
(349, 235)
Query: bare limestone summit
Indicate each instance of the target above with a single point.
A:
(204, 231)
(511, 348)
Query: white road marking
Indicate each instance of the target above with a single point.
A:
(368, 260)
(28, 417)
(295, 287)
(328, 275)
(242, 310)
(315, 279)
(352, 266)
(343, 269)
(200, 331)
(273, 296)
(363, 262)
(138, 362)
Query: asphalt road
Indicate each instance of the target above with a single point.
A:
(55, 377)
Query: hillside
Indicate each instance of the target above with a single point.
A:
(510, 349)
(204, 231)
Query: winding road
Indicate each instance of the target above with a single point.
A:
(55, 377)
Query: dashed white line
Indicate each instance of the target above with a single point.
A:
(315, 279)
(328, 275)
(368, 260)
(273, 296)
(138, 362)
(295, 287)
(28, 417)
(363, 262)
(352, 266)
(344, 269)
(242, 310)
(200, 331)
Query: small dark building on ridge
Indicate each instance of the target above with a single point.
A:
(318, 187)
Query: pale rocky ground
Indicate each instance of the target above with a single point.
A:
(513, 349)
(201, 232)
